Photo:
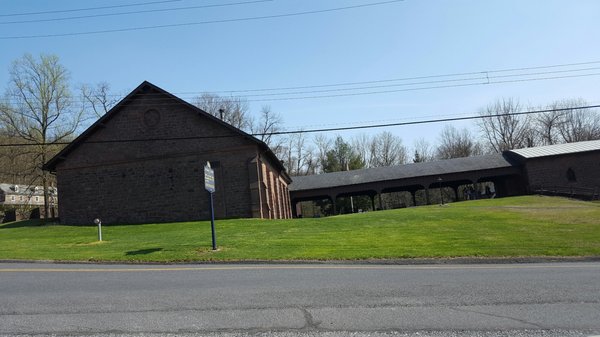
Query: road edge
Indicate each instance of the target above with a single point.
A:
(405, 261)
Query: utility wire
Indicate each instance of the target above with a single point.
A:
(134, 12)
(421, 88)
(482, 74)
(252, 18)
(428, 121)
(358, 127)
(486, 79)
(483, 80)
(91, 8)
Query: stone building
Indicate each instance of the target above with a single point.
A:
(143, 162)
(19, 201)
(18, 195)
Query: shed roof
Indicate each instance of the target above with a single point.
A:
(558, 149)
(370, 175)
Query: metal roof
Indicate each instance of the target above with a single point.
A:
(370, 175)
(558, 149)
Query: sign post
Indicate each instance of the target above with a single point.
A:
(209, 185)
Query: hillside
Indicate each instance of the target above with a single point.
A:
(508, 227)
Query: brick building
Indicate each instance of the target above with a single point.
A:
(143, 162)
(567, 169)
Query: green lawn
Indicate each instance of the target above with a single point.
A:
(509, 227)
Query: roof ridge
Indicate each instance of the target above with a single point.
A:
(557, 149)
(144, 86)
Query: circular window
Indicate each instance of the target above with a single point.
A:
(151, 118)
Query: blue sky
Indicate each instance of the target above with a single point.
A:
(410, 38)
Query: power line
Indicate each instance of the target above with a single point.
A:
(422, 88)
(484, 77)
(482, 74)
(417, 88)
(134, 12)
(430, 121)
(358, 127)
(487, 80)
(91, 8)
(252, 18)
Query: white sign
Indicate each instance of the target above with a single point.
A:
(209, 178)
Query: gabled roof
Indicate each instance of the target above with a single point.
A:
(143, 88)
(558, 149)
(377, 174)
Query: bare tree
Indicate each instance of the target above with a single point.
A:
(16, 160)
(99, 98)
(299, 159)
(547, 124)
(40, 109)
(387, 150)
(233, 110)
(323, 145)
(383, 149)
(268, 123)
(309, 162)
(457, 144)
(577, 125)
(291, 153)
(361, 144)
(504, 130)
(422, 151)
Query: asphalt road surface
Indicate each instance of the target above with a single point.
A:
(561, 299)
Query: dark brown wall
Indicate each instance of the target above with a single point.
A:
(155, 181)
(274, 193)
(552, 171)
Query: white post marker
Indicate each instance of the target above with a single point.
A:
(99, 223)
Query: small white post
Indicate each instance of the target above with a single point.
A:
(99, 223)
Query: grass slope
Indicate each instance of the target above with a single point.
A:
(508, 227)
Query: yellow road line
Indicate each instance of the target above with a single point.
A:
(267, 267)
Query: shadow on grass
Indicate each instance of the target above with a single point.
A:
(143, 251)
(25, 223)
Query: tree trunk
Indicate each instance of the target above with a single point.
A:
(45, 187)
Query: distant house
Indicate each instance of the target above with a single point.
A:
(20, 200)
(18, 195)
(143, 162)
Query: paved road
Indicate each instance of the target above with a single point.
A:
(301, 300)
